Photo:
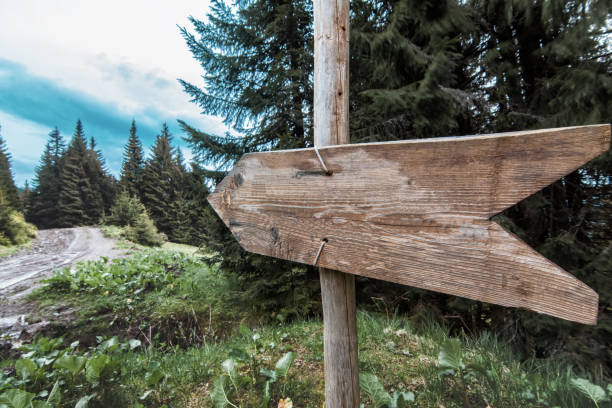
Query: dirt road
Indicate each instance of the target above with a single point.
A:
(52, 249)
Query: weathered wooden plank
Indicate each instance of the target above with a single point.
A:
(331, 85)
(416, 212)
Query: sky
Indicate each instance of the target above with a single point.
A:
(103, 62)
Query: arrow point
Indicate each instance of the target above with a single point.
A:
(533, 282)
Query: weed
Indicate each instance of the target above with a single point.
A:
(164, 298)
(49, 375)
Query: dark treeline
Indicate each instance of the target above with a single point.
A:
(423, 69)
(171, 193)
(73, 187)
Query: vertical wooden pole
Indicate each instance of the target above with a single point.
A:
(331, 91)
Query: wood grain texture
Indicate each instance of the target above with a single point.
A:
(416, 212)
(331, 72)
(331, 123)
(339, 339)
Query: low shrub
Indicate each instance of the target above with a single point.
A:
(14, 230)
(144, 232)
(164, 298)
(129, 212)
(48, 374)
(125, 210)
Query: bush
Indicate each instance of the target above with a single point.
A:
(126, 210)
(129, 212)
(51, 375)
(14, 230)
(143, 231)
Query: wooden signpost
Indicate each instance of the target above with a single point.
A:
(414, 212)
(331, 123)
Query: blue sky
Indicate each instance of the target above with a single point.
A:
(105, 63)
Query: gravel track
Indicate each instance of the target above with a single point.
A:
(22, 271)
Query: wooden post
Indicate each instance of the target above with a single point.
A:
(331, 91)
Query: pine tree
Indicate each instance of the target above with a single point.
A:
(87, 190)
(258, 62)
(133, 164)
(7, 183)
(43, 207)
(160, 183)
(258, 59)
(107, 183)
(75, 186)
(408, 70)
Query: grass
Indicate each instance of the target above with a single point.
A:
(9, 250)
(183, 248)
(112, 231)
(118, 233)
(184, 314)
(403, 357)
(164, 297)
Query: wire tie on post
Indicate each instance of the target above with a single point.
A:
(323, 242)
(329, 173)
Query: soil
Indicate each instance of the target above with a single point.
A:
(21, 272)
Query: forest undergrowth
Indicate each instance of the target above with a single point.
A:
(164, 329)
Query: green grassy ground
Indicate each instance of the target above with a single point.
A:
(9, 250)
(196, 343)
(117, 233)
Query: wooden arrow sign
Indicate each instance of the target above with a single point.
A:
(415, 212)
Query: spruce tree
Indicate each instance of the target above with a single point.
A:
(26, 198)
(258, 59)
(75, 186)
(102, 184)
(133, 164)
(258, 63)
(13, 228)
(43, 207)
(7, 184)
(408, 70)
(160, 183)
(515, 65)
(108, 184)
(87, 190)
(71, 207)
(181, 223)
(193, 219)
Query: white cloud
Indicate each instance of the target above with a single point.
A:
(187, 155)
(129, 53)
